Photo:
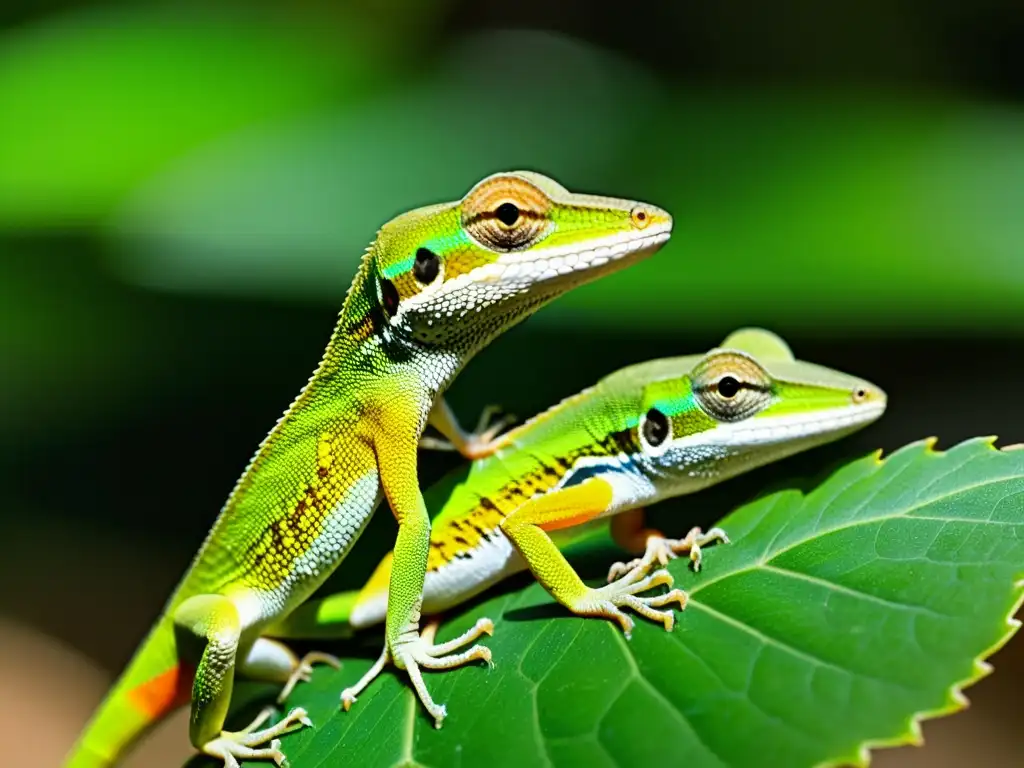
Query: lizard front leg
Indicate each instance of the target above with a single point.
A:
(207, 630)
(404, 646)
(526, 528)
(478, 444)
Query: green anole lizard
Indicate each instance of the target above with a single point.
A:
(648, 432)
(435, 286)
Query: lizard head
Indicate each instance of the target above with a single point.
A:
(457, 274)
(696, 420)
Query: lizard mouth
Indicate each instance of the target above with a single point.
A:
(522, 279)
(563, 262)
(521, 270)
(797, 427)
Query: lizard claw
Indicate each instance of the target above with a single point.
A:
(414, 650)
(660, 550)
(232, 746)
(607, 601)
(303, 671)
(478, 444)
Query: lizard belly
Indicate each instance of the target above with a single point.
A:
(459, 579)
(261, 603)
(470, 573)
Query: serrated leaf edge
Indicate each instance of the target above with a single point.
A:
(957, 701)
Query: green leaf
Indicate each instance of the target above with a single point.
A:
(835, 621)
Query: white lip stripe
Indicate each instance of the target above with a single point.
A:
(791, 427)
(555, 261)
(513, 271)
(612, 247)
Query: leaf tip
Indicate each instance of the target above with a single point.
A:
(916, 735)
(989, 441)
(925, 446)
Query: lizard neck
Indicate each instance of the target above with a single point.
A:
(367, 349)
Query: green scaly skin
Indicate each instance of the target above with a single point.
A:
(436, 286)
(643, 434)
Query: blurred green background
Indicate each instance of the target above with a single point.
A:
(185, 192)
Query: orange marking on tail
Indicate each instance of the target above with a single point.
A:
(168, 690)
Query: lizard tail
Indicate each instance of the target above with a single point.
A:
(153, 685)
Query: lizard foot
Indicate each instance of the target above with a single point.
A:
(481, 442)
(303, 672)
(414, 650)
(660, 550)
(608, 600)
(232, 746)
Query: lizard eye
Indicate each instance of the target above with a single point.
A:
(389, 296)
(731, 387)
(427, 266)
(508, 214)
(655, 428)
(728, 387)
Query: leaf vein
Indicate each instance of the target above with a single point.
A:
(638, 674)
(841, 588)
(907, 513)
(786, 647)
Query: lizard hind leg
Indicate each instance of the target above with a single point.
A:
(631, 534)
(208, 629)
(272, 661)
(303, 671)
(231, 746)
